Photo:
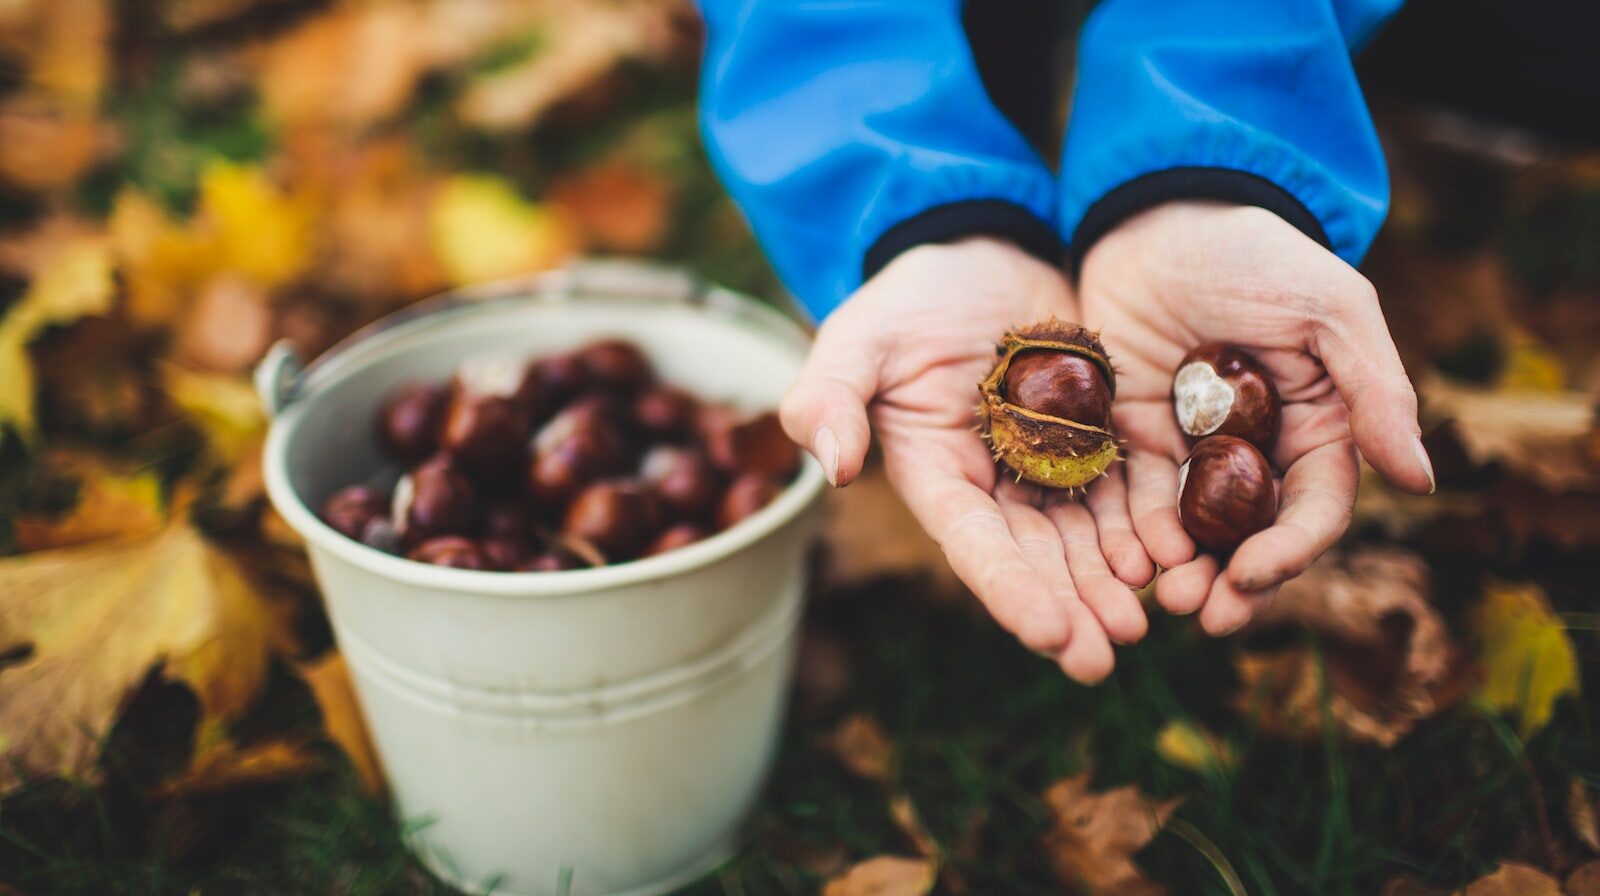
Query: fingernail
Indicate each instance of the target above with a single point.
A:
(1427, 465)
(825, 446)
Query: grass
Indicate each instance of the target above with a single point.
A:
(981, 728)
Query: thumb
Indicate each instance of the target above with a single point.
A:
(1356, 349)
(826, 408)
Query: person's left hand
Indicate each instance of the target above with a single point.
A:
(1185, 273)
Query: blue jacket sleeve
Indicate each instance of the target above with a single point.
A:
(1250, 101)
(850, 130)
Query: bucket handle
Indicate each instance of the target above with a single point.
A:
(281, 375)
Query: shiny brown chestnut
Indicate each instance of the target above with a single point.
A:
(665, 412)
(352, 510)
(619, 518)
(550, 561)
(435, 499)
(1060, 384)
(684, 481)
(748, 494)
(560, 377)
(506, 377)
(505, 553)
(509, 518)
(1222, 390)
(740, 444)
(674, 537)
(449, 550)
(410, 419)
(616, 364)
(486, 434)
(1225, 492)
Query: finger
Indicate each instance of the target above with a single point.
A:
(1183, 589)
(1153, 505)
(1107, 501)
(969, 527)
(1353, 342)
(1087, 656)
(826, 408)
(1114, 604)
(1319, 495)
(1227, 608)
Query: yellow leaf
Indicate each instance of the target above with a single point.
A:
(1531, 366)
(75, 280)
(262, 232)
(1187, 745)
(162, 264)
(92, 621)
(226, 408)
(111, 503)
(329, 679)
(483, 230)
(884, 876)
(1528, 660)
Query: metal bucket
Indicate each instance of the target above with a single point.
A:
(600, 731)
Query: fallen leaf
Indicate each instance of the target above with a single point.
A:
(863, 748)
(1584, 880)
(1529, 365)
(1527, 657)
(224, 766)
(92, 621)
(1513, 879)
(262, 232)
(1392, 649)
(1582, 814)
(348, 68)
(884, 876)
(1190, 746)
(870, 534)
(228, 327)
(329, 679)
(904, 813)
(162, 263)
(1538, 435)
(112, 502)
(619, 206)
(43, 147)
(1095, 836)
(482, 229)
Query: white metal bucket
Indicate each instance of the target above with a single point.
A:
(600, 731)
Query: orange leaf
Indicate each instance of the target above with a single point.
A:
(884, 876)
(1095, 836)
(329, 679)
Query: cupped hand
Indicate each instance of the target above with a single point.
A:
(1178, 275)
(904, 355)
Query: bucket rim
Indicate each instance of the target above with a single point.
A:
(798, 497)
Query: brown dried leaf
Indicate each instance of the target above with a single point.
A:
(905, 816)
(871, 534)
(1514, 879)
(228, 327)
(329, 679)
(45, 148)
(863, 748)
(1389, 652)
(1534, 434)
(884, 876)
(112, 502)
(620, 206)
(92, 621)
(224, 766)
(1095, 836)
(1582, 814)
(1584, 880)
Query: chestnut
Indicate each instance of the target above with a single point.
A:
(1225, 492)
(435, 499)
(559, 377)
(549, 561)
(505, 553)
(616, 364)
(1064, 385)
(1221, 390)
(509, 518)
(756, 444)
(486, 434)
(684, 481)
(352, 510)
(449, 550)
(675, 537)
(505, 377)
(748, 494)
(619, 518)
(665, 412)
(409, 420)
(582, 444)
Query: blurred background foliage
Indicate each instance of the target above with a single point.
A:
(184, 182)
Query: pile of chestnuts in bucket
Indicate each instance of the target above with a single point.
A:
(1046, 411)
(560, 462)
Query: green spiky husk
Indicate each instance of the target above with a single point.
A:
(1046, 450)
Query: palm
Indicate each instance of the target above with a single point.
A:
(1183, 275)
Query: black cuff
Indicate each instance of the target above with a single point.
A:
(1223, 184)
(969, 217)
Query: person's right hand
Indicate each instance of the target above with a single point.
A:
(908, 350)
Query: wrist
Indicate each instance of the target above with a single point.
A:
(953, 223)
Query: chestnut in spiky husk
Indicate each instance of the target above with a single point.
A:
(1045, 406)
(1225, 492)
(1221, 390)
